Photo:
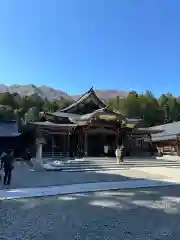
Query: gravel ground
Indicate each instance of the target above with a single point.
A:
(114, 215)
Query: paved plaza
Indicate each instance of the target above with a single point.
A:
(145, 214)
(22, 177)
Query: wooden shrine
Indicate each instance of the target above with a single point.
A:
(84, 127)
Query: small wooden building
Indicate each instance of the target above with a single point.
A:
(85, 127)
(9, 135)
(12, 138)
(167, 139)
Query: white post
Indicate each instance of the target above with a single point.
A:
(39, 160)
(39, 151)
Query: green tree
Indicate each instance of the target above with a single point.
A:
(131, 105)
(7, 99)
(151, 110)
(172, 109)
(32, 115)
(32, 101)
(6, 113)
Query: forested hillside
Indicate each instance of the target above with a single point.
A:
(153, 110)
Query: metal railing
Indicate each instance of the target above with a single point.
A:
(55, 155)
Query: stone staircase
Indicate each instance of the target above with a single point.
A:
(95, 164)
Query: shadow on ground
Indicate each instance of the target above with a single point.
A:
(127, 214)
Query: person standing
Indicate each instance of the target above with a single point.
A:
(122, 153)
(119, 154)
(106, 150)
(3, 154)
(28, 155)
(7, 164)
(29, 159)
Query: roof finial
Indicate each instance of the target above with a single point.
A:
(91, 89)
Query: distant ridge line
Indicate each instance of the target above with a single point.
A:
(52, 93)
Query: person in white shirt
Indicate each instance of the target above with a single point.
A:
(106, 150)
(119, 154)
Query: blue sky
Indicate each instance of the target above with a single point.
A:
(75, 44)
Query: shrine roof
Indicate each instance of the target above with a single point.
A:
(168, 131)
(86, 117)
(85, 96)
(57, 125)
(141, 129)
(163, 137)
(134, 120)
(63, 115)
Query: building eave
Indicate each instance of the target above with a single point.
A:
(87, 117)
(53, 125)
(165, 137)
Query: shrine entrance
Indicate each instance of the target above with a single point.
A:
(96, 145)
(97, 138)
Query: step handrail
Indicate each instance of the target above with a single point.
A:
(55, 155)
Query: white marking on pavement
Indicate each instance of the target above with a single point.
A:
(81, 188)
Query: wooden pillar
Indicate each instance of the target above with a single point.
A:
(178, 146)
(178, 149)
(68, 143)
(86, 144)
(117, 139)
(79, 144)
(52, 143)
(151, 144)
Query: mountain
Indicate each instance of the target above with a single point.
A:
(42, 91)
(52, 93)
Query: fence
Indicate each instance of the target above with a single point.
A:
(51, 156)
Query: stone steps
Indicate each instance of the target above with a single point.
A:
(106, 164)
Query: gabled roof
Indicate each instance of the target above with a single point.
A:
(167, 131)
(82, 99)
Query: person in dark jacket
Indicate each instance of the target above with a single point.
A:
(29, 159)
(7, 164)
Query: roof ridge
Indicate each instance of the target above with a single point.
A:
(83, 97)
(89, 91)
